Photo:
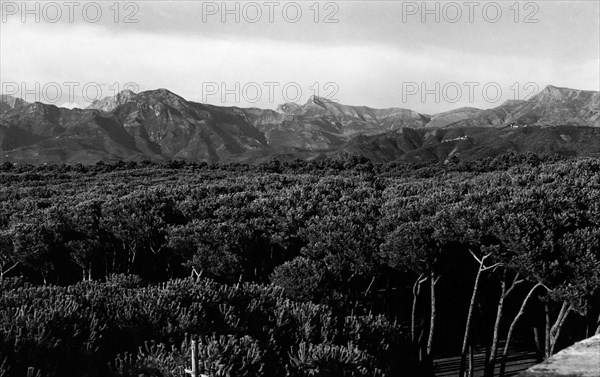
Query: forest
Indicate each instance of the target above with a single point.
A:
(330, 267)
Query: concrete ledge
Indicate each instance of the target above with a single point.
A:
(582, 359)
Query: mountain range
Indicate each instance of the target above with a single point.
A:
(160, 125)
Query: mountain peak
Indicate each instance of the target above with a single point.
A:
(111, 103)
(292, 108)
(12, 101)
(8, 102)
(126, 93)
(289, 108)
(163, 95)
(162, 92)
(555, 93)
(556, 89)
(557, 106)
(319, 101)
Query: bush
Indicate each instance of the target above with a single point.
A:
(301, 279)
(12, 283)
(327, 360)
(243, 330)
(124, 281)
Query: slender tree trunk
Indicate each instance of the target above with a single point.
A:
(133, 253)
(539, 351)
(588, 319)
(369, 287)
(471, 361)
(420, 344)
(114, 260)
(486, 358)
(463, 354)
(416, 290)
(547, 330)
(412, 312)
(433, 281)
(490, 362)
(555, 330)
(512, 327)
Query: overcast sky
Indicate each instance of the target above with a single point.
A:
(378, 53)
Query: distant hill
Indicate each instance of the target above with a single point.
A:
(475, 142)
(160, 125)
(551, 107)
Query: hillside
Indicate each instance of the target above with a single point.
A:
(160, 125)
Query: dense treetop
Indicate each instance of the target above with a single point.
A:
(499, 244)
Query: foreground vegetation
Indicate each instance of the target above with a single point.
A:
(321, 268)
(247, 330)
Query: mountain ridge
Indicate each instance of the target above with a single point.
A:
(161, 125)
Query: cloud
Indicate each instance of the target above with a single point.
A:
(343, 62)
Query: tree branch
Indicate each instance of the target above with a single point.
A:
(10, 268)
(516, 281)
(369, 287)
(491, 267)
(480, 261)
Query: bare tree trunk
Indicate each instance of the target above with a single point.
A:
(386, 300)
(547, 330)
(463, 353)
(482, 267)
(131, 261)
(555, 330)
(539, 354)
(369, 287)
(412, 313)
(420, 344)
(512, 327)
(416, 290)
(471, 361)
(490, 362)
(114, 259)
(588, 319)
(433, 281)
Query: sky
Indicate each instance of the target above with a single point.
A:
(426, 56)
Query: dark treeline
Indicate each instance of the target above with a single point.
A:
(380, 267)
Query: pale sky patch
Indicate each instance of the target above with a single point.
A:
(367, 58)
